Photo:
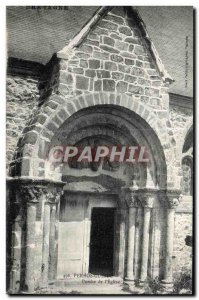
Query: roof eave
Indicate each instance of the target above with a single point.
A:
(76, 41)
(151, 47)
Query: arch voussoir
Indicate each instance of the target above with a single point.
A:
(134, 107)
(90, 100)
(77, 104)
(52, 104)
(63, 114)
(124, 100)
(140, 109)
(118, 99)
(71, 108)
(101, 95)
(112, 99)
(83, 101)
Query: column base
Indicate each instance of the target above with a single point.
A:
(43, 285)
(129, 279)
(142, 282)
(167, 285)
(130, 282)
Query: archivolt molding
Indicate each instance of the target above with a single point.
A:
(58, 109)
(67, 107)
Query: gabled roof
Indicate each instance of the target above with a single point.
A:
(82, 34)
(36, 34)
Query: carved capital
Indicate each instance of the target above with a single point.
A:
(131, 197)
(170, 198)
(132, 201)
(147, 197)
(53, 196)
(30, 194)
(173, 201)
(147, 200)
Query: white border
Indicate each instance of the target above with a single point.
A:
(3, 5)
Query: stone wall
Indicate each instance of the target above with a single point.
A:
(22, 99)
(182, 255)
(180, 118)
(114, 58)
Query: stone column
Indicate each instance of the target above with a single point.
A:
(52, 244)
(132, 204)
(56, 238)
(54, 218)
(45, 250)
(31, 196)
(169, 244)
(30, 246)
(147, 202)
(131, 239)
(171, 202)
(122, 217)
(28, 194)
(48, 253)
(15, 224)
(138, 241)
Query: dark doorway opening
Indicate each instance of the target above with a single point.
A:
(102, 241)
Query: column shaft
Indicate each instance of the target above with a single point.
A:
(30, 247)
(45, 251)
(145, 244)
(169, 245)
(121, 242)
(15, 250)
(138, 241)
(131, 242)
(52, 244)
(56, 236)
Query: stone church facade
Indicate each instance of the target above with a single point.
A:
(108, 86)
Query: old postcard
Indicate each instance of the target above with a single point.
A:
(100, 150)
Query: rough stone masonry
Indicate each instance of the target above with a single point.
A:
(107, 85)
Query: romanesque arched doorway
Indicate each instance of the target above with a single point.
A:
(92, 187)
(98, 186)
(136, 192)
